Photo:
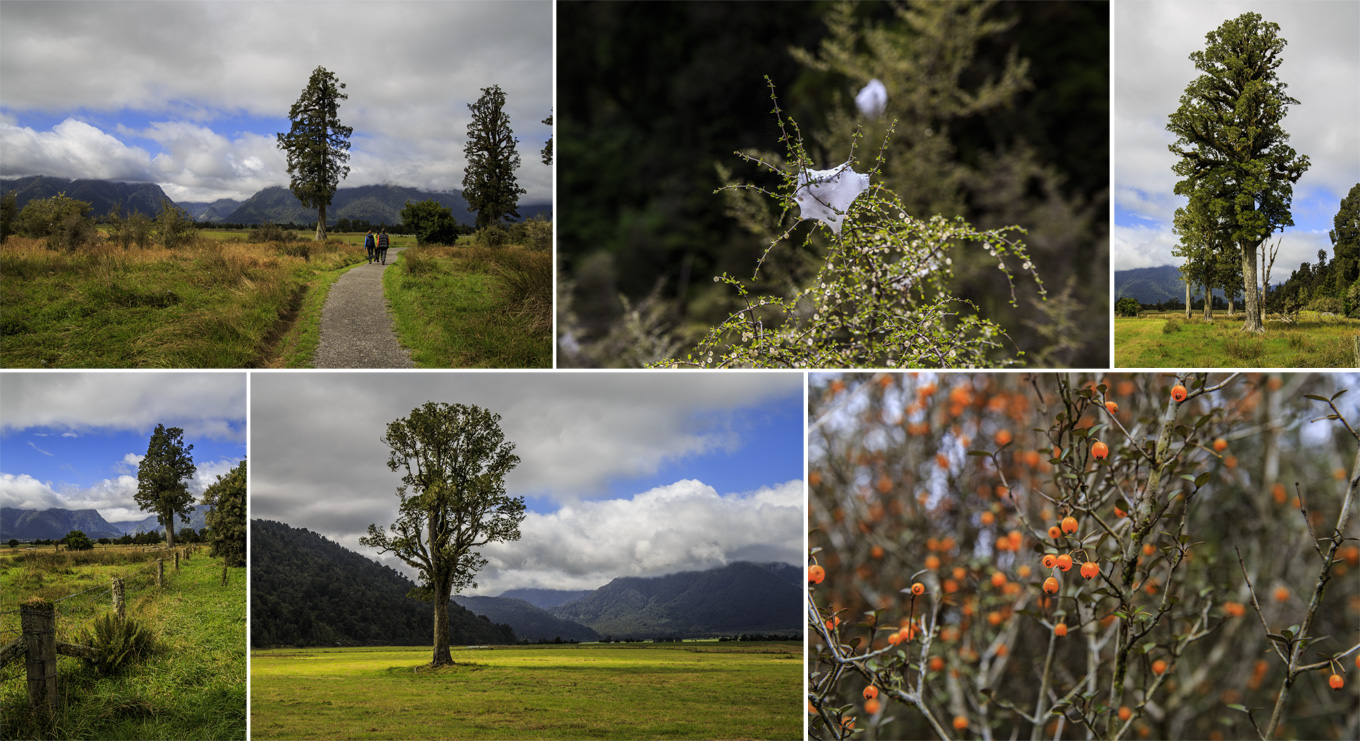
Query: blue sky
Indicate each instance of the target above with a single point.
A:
(1153, 42)
(144, 92)
(73, 440)
(623, 473)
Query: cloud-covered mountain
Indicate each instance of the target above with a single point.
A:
(48, 524)
(529, 621)
(210, 211)
(377, 204)
(741, 597)
(102, 195)
(546, 599)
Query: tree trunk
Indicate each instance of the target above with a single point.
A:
(170, 531)
(1230, 302)
(442, 657)
(321, 223)
(1187, 299)
(1208, 301)
(1253, 296)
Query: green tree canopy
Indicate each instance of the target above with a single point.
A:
(431, 222)
(163, 478)
(489, 183)
(226, 525)
(1231, 142)
(318, 144)
(77, 540)
(453, 459)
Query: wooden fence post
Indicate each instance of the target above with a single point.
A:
(38, 620)
(119, 607)
(160, 572)
(1357, 350)
(176, 560)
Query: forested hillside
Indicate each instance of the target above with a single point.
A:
(309, 591)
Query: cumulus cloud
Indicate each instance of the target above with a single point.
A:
(684, 526)
(25, 492)
(203, 404)
(410, 69)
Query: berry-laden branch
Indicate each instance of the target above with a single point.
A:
(1297, 642)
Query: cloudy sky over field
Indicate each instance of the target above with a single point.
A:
(1153, 43)
(623, 474)
(73, 440)
(190, 95)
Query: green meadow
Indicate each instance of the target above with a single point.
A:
(1172, 341)
(704, 689)
(191, 686)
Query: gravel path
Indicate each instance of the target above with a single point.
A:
(356, 326)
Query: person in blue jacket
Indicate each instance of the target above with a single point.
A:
(382, 246)
(368, 245)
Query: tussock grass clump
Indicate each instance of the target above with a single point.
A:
(527, 284)
(1171, 326)
(1245, 349)
(118, 641)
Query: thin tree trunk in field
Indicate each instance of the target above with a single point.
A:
(1187, 299)
(321, 224)
(1253, 321)
(1208, 301)
(442, 657)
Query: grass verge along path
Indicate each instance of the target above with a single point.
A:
(473, 307)
(1169, 341)
(691, 690)
(212, 304)
(193, 686)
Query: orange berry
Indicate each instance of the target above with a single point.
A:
(1120, 513)
(1002, 650)
(1230, 461)
(1281, 594)
(1003, 437)
(848, 723)
(994, 618)
(1336, 682)
(950, 586)
(816, 574)
(814, 478)
(1055, 532)
(932, 562)
(1159, 666)
(894, 638)
(1339, 474)
(936, 663)
(1065, 562)
(960, 573)
(1016, 539)
(1124, 712)
(1051, 585)
(1069, 524)
(1178, 393)
(917, 589)
(1060, 630)
(1099, 450)
(1149, 549)
(1090, 570)
(1112, 407)
(876, 551)
(1050, 561)
(960, 723)
(1220, 445)
(1024, 571)
(1278, 492)
(998, 579)
(870, 692)
(871, 707)
(987, 518)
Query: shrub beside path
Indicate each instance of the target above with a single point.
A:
(356, 326)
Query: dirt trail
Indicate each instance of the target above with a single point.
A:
(356, 326)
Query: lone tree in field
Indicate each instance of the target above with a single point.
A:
(1231, 143)
(227, 520)
(489, 184)
(453, 501)
(163, 478)
(318, 145)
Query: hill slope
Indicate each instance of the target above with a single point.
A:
(377, 204)
(737, 598)
(49, 524)
(545, 598)
(309, 591)
(102, 195)
(530, 622)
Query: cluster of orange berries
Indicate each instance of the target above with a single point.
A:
(1063, 562)
(871, 702)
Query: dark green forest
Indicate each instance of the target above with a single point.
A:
(1330, 286)
(309, 591)
(1001, 116)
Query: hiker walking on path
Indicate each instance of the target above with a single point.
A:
(369, 245)
(382, 246)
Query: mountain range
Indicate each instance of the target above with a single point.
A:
(308, 590)
(47, 524)
(1158, 285)
(377, 204)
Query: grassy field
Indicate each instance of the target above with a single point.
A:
(191, 687)
(1169, 341)
(473, 307)
(214, 304)
(692, 690)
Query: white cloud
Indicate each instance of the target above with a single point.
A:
(72, 149)
(1150, 245)
(685, 526)
(25, 492)
(203, 404)
(31, 444)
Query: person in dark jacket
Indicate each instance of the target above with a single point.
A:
(369, 245)
(382, 246)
